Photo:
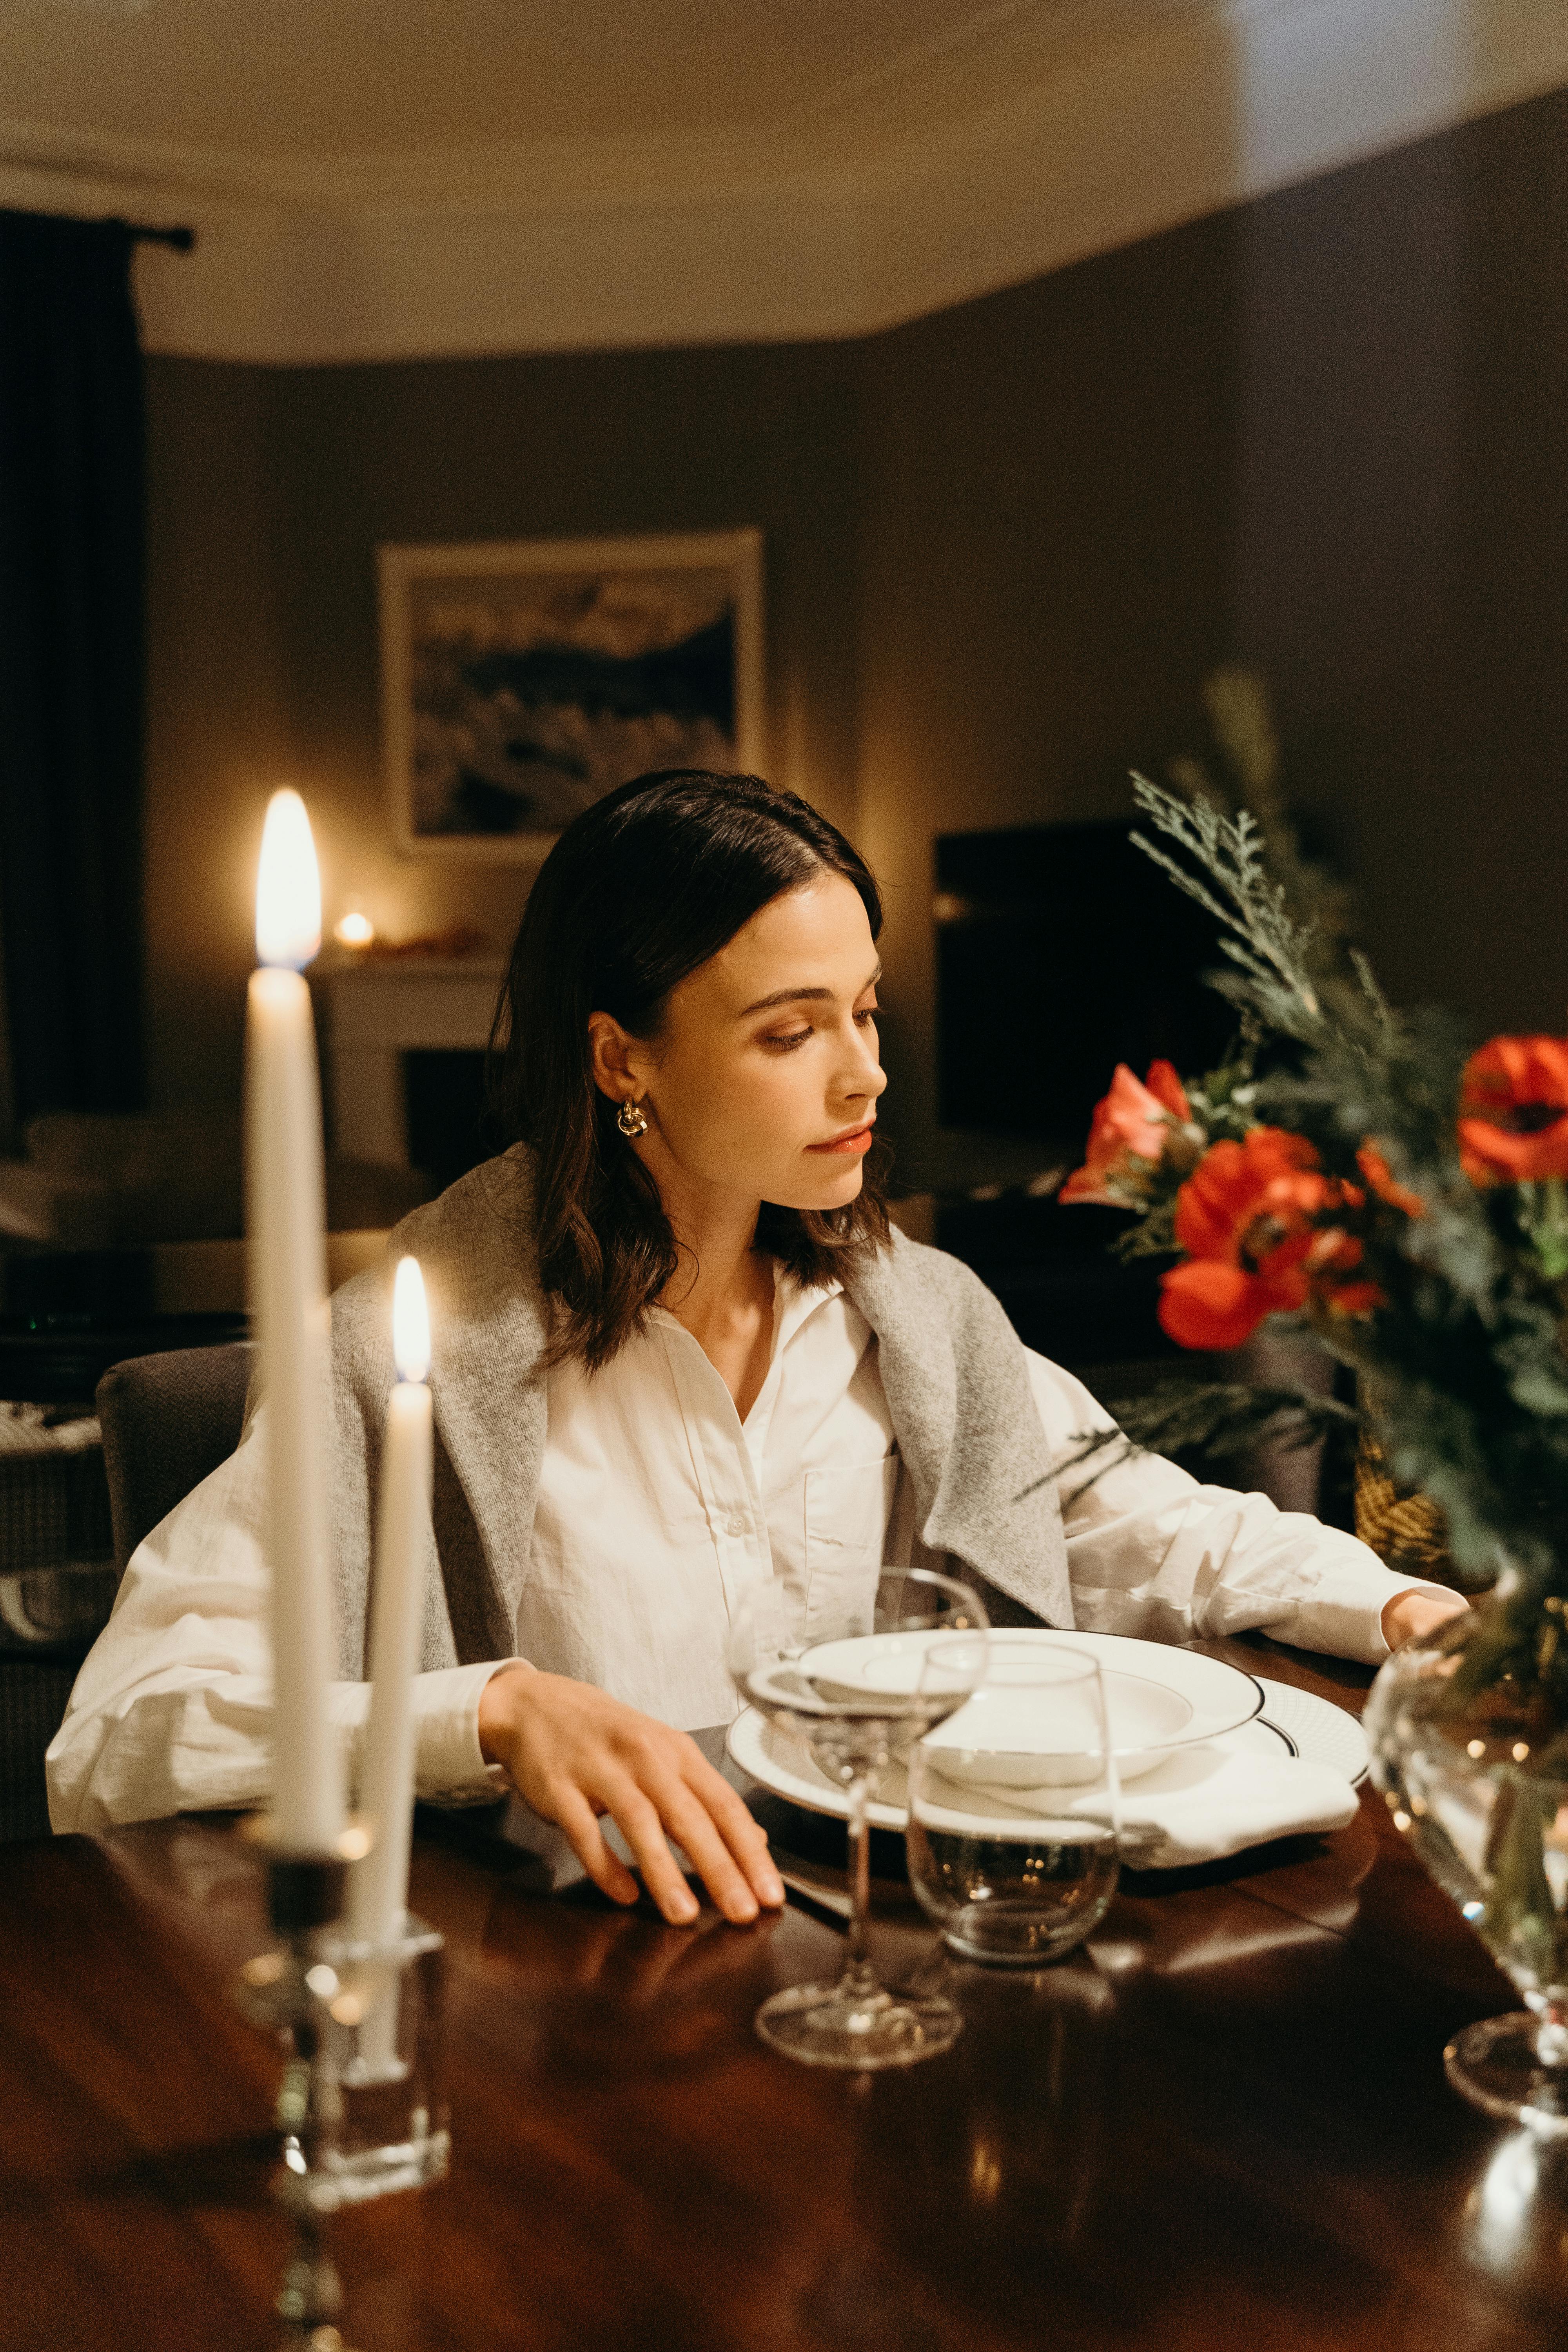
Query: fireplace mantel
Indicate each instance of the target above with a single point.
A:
(375, 1009)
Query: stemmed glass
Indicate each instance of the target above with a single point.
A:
(900, 1655)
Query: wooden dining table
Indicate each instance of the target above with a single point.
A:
(1222, 2123)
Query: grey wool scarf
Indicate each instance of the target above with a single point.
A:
(953, 1370)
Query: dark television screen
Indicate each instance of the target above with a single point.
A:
(1061, 951)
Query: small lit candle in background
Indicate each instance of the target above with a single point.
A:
(353, 928)
(286, 1220)
(379, 1895)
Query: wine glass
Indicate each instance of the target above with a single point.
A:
(902, 1653)
(1460, 1769)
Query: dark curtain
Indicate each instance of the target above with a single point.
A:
(72, 530)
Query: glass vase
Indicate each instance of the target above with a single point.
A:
(1468, 1734)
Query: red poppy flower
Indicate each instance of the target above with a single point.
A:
(1246, 1218)
(1385, 1184)
(1513, 1112)
(1131, 1123)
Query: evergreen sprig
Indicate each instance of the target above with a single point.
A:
(1250, 908)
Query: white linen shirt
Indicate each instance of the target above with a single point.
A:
(657, 1507)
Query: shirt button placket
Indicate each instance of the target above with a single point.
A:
(745, 1561)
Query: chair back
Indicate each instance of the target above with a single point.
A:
(168, 1421)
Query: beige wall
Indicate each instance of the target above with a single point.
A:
(1324, 433)
(1041, 610)
(271, 490)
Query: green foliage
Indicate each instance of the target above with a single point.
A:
(1226, 1419)
(1247, 768)
(1222, 1420)
(1259, 935)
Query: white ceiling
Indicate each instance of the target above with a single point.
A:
(331, 78)
(374, 179)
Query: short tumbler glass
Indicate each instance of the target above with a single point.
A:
(384, 2043)
(1014, 1809)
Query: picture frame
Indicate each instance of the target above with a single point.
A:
(521, 679)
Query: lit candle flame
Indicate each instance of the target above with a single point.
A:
(410, 1322)
(288, 886)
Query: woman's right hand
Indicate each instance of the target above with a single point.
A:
(574, 1753)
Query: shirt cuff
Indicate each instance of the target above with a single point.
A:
(1343, 1615)
(448, 1761)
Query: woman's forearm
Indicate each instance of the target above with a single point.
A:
(177, 1737)
(173, 1709)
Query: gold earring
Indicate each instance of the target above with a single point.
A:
(630, 1120)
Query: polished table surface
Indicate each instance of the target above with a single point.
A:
(1223, 2124)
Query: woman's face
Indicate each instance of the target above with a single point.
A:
(762, 1082)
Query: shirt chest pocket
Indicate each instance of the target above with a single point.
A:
(847, 1515)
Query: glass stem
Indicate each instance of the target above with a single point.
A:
(857, 1977)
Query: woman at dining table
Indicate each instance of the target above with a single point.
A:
(678, 1350)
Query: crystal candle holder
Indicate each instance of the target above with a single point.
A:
(362, 2109)
(384, 2042)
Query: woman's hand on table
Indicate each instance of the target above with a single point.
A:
(574, 1753)
(1410, 1615)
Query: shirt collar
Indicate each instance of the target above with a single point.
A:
(794, 1303)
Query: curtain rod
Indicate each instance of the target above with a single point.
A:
(181, 240)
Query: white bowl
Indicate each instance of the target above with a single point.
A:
(1023, 1736)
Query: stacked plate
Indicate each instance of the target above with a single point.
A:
(1159, 1700)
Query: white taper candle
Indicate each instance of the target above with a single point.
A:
(379, 1895)
(286, 1221)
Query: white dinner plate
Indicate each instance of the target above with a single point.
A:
(1293, 1721)
(778, 1761)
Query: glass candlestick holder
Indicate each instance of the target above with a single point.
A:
(282, 1990)
(386, 2023)
(362, 2108)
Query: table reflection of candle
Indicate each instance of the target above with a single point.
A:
(286, 1220)
(380, 1893)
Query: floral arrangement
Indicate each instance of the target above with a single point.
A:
(1368, 1175)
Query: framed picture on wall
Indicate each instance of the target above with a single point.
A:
(522, 679)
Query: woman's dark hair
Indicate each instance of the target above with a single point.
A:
(639, 890)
